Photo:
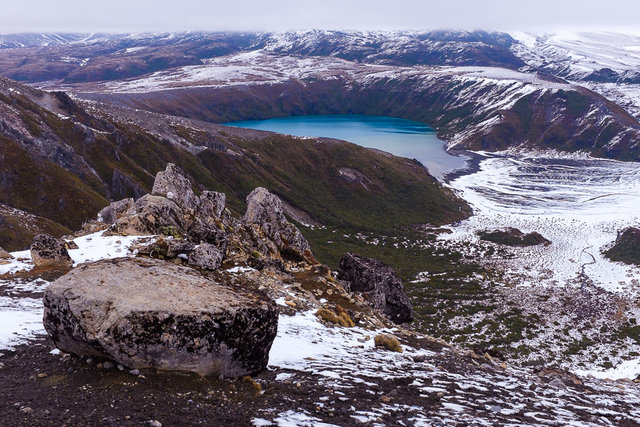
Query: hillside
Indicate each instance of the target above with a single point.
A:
(83, 156)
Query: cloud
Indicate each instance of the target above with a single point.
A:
(165, 15)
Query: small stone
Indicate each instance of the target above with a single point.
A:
(290, 303)
(26, 410)
(89, 361)
(120, 367)
(385, 399)
(154, 423)
(42, 375)
(557, 383)
(135, 372)
(1, 365)
(108, 365)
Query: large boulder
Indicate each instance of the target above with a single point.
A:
(265, 211)
(380, 285)
(175, 186)
(47, 251)
(206, 256)
(146, 313)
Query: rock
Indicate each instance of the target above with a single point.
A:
(388, 342)
(206, 256)
(108, 365)
(70, 245)
(266, 211)
(146, 313)
(115, 211)
(26, 410)
(151, 215)
(626, 248)
(169, 248)
(47, 251)
(154, 423)
(380, 285)
(175, 186)
(212, 204)
(135, 372)
(5, 255)
(513, 237)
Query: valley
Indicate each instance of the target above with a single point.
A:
(491, 171)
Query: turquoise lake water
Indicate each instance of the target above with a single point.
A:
(401, 137)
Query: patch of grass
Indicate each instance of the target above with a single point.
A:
(388, 342)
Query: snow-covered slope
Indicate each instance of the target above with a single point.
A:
(608, 63)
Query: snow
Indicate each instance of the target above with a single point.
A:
(20, 315)
(629, 369)
(577, 202)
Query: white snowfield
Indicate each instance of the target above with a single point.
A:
(20, 316)
(577, 202)
(576, 55)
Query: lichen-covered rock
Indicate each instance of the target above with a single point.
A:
(151, 215)
(47, 251)
(145, 313)
(206, 256)
(175, 186)
(116, 210)
(265, 210)
(380, 285)
(212, 204)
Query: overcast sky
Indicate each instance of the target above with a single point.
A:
(177, 15)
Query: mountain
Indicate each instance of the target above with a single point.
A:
(478, 108)
(94, 57)
(64, 160)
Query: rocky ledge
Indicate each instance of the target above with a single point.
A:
(201, 294)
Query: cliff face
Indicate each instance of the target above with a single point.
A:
(479, 108)
(63, 161)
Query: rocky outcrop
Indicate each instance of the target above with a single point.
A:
(380, 285)
(47, 251)
(174, 210)
(265, 211)
(513, 237)
(145, 313)
(626, 248)
(115, 211)
(175, 186)
(206, 256)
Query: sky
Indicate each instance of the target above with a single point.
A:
(268, 15)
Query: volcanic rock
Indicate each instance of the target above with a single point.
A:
(47, 251)
(146, 313)
(151, 215)
(513, 237)
(265, 210)
(626, 248)
(206, 256)
(116, 210)
(174, 185)
(380, 285)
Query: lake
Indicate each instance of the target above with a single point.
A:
(401, 137)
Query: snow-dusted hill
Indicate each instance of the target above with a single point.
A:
(608, 63)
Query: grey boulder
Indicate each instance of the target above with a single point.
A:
(47, 251)
(265, 210)
(175, 186)
(380, 285)
(146, 313)
(206, 256)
